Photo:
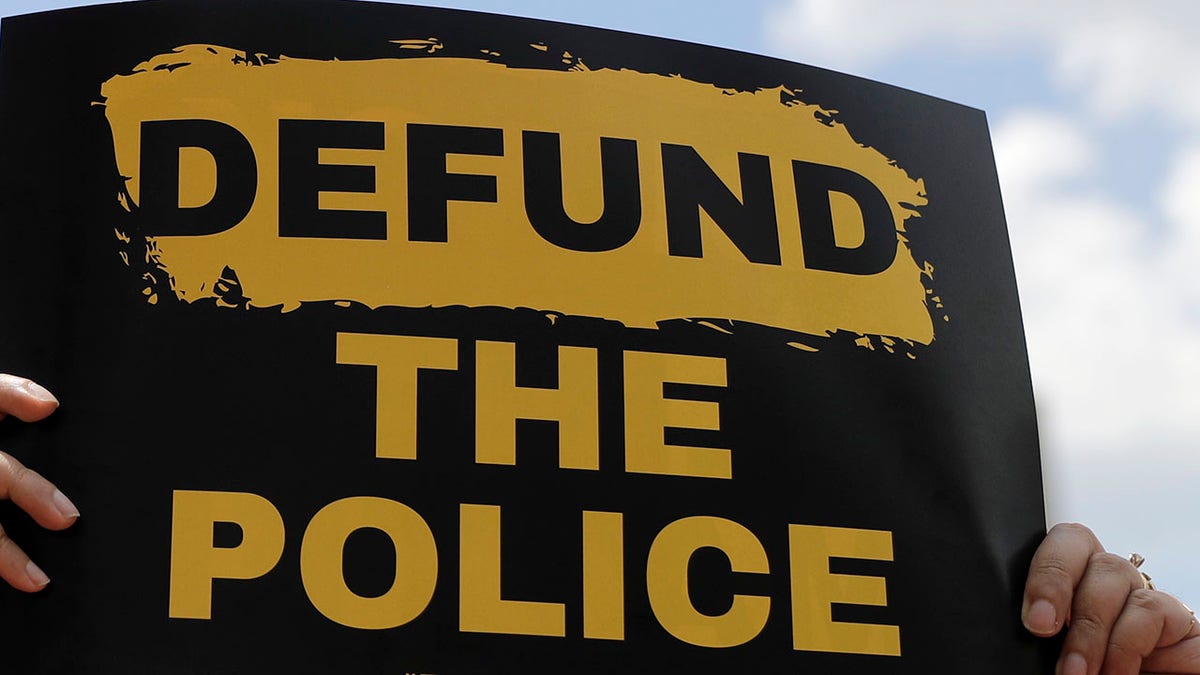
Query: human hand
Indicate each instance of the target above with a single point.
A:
(1115, 624)
(35, 495)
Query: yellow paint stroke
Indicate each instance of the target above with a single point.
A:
(493, 256)
(802, 347)
(428, 45)
(712, 326)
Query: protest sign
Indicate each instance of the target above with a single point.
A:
(395, 339)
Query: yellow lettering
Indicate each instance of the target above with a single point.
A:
(397, 359)
(667, 581)
(322, 555)
(195, 562)
(603, 575)
(648, 412)
(481, 609)
(499, 402)
(814, 589)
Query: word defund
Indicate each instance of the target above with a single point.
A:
(690, 186)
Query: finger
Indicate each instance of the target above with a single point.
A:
(25, 399)
(1181, 657)
(1150, 620)
(35, 495)
(1056, 569)
(1099, 600)
(17, 569)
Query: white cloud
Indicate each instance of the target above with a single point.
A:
(853, 33)
(1123, 58)
(1180, 204)
(1036, 151)
(1127, 61)
(1112, 334)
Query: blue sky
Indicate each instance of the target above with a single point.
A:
(1095, 119)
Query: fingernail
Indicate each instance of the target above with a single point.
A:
(64, 505)
(1041, 619)
(36, 575)
(39, 392)
(1074, 664)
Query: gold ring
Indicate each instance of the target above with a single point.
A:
(1136, 559)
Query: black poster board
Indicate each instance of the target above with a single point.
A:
(394, 339)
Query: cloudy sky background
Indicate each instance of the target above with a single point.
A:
(1094, 108)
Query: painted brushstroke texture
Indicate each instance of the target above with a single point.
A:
(493, 257)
